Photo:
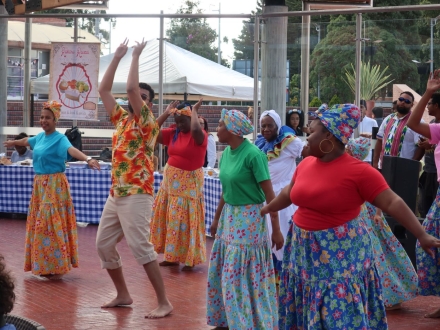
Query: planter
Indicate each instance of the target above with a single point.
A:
(370, 106)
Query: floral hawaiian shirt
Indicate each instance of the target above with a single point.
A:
(133, 146)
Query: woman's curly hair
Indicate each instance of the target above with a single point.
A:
(7, 296)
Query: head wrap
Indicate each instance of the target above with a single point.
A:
(341, 120)
(359, 148)
(236, 122)
(323, 107)
(183, 109)
(55, 107)
(273, 114)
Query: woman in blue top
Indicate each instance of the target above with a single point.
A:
(51, 239)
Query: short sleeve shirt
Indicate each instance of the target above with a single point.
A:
(49, 152)
(133, 147)
(241, 171)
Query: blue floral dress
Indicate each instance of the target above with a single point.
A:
(329, 280)
(241, 278)
(428, 268)
(397, 274)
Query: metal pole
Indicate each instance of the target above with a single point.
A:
(305, 59)
(161, 41)
(3, 73)
(27, 70)
(219, 55)
(433, 22)
(358, 65)
(318, 28)
(256, 66)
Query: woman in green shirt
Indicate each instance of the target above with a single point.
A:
(241, 279)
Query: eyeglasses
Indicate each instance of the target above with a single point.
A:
(402, 99)
(144, 97)
(294, 111)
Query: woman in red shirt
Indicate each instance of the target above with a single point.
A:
(178, 220)
(329, 279)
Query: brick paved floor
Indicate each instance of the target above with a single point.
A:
(74, 303)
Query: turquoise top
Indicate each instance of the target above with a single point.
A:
(49, 152)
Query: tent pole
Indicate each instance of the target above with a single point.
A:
(256, 66)
(160, 111)
(185, 97)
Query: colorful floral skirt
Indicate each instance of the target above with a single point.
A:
(51, 235)
(241, 279)
(329, 280)
(428, 268)
(397, 274)
(178, 220)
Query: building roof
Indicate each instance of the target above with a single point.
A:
(45, 34)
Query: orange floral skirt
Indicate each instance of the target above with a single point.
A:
(51, 235)
(178, 220)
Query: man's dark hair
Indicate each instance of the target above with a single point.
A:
(378, 112)
(7, 296)
(408, 93)
(20, 136)
(436, 98)
(148, 88)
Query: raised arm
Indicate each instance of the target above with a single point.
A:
(22, 143)
(166, 113)
(105, 87)
(133, 91)
(196, 130)
(417, 113)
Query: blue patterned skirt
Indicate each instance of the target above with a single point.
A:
(428, 268)
(241, 290)
(329, 280)
(397, 274)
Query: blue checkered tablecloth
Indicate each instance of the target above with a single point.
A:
(89, 191)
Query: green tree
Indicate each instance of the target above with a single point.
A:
(193, 34)
(334, 100)
(315, 102)
(244, 44)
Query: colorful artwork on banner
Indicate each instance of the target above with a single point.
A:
(74, 79)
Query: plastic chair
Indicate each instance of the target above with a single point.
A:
(22, 323)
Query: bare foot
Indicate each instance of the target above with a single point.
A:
(393, 307)
(161, 311)
(55, 277)
(168, 263)
(124, 301)
(187, 268)
(435, 314)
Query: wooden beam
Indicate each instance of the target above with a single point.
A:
(49, 4)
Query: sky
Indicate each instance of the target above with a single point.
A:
(136, 29)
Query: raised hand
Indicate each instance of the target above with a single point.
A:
(198, 104)
(9, 143)
(433, 81)
(171, 106)
(139, 47)
(122, 49)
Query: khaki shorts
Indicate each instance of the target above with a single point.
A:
(130, 217)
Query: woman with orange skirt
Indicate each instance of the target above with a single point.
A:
(51, 248)
(178, 220)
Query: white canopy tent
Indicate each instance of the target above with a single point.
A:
(183, 72)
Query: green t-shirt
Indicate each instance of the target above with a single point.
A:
(241, 171)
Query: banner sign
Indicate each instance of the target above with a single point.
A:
(74, 69)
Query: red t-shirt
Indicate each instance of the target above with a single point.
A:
(330, 194)
(184, 153)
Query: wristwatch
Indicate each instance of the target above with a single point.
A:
(89, 159)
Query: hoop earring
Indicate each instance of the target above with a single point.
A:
(326, 152)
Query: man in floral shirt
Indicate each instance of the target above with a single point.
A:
(127, 211)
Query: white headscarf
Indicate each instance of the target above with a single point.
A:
(273, 114)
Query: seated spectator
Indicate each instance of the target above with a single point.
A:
(211, 151)
(21, 153)
(378, 115)
(7, 296)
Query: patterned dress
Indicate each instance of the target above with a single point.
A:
(397, 274)
(329, 280)
(178, 220)
(241, 278)
(428, 268)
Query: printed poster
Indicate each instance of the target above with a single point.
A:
(74, 69)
